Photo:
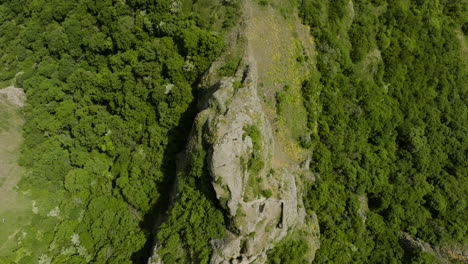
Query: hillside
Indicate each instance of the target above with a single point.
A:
(240, 131)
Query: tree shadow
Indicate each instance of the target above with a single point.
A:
(177, 138)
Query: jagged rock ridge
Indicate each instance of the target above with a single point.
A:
(263, 204)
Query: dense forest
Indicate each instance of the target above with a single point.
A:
(390, 106)
(110, 97)
(111, 92)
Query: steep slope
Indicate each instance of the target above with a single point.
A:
(252, 161)
(110, 91)
(391, 146)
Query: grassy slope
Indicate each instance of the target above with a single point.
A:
(276, 40)
(13, 207)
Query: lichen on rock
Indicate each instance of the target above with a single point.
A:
(261, 199)
(262, 206)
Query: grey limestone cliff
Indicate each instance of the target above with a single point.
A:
(262, 206)
(258, 185)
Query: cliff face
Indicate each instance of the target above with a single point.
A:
(262, 199)
(262, 204)
(255, 168)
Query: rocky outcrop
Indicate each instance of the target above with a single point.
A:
(14, 95)
(261, 205)
(443, 255)
(261, 197)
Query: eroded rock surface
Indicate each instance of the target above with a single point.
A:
(262, 206)
(14, 95)
(255, 181)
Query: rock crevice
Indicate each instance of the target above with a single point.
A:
(262, 205)
(261, 198)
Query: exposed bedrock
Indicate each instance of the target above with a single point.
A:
(261, 204)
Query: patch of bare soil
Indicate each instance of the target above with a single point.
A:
(13, 95)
